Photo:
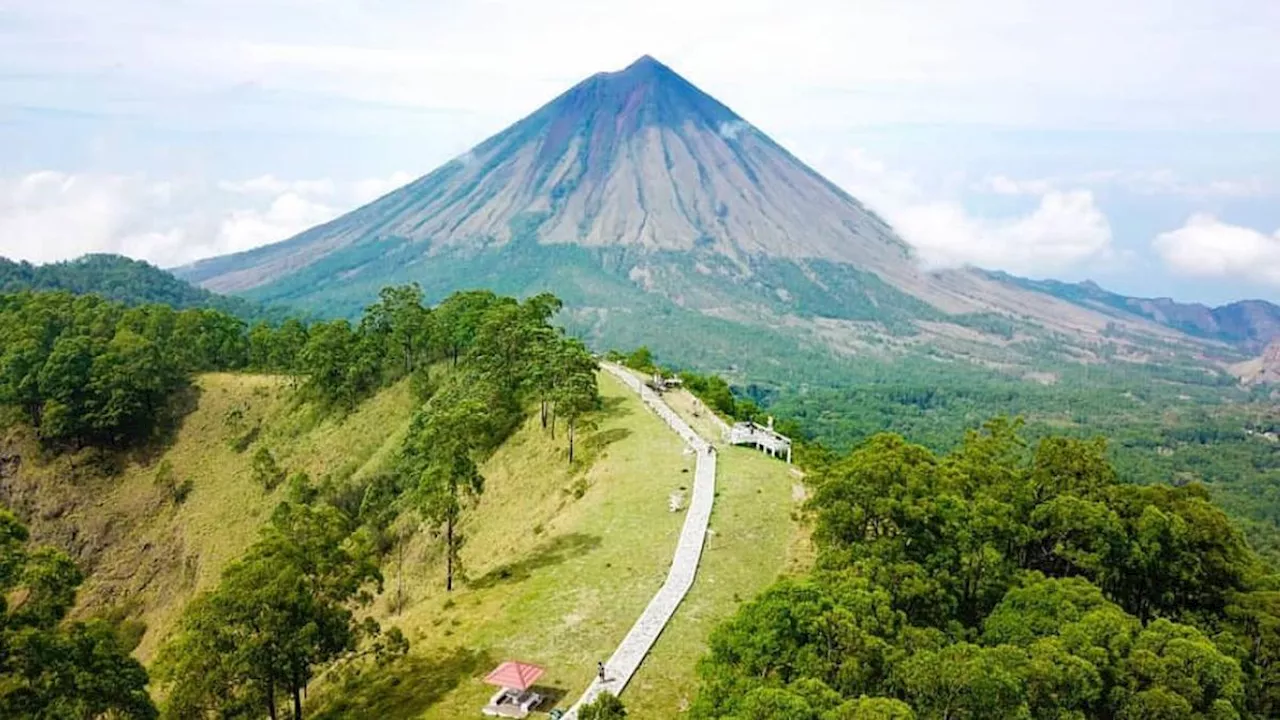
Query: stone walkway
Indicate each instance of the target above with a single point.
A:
(627, 658)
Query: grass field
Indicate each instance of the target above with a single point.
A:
(753, 539)
(560, 561)
(748, 547)
(557, 580)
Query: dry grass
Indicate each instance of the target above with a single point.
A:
(558, 580)
(148, 554)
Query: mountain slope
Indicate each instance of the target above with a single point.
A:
(638, 159)
(634, 195)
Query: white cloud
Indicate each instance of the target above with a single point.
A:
(286, 216)
(1140, 182)
(47, 216)
(51, 215)
(1002, 185)
(369, 189)
(1138, 63)
(1065, 230)
(271, 185)
(1207, 247)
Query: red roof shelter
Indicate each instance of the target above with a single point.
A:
(517, 675)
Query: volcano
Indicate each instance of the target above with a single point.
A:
(661, 216)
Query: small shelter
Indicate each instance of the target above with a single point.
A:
(763, 438)
(660, 383)
(516, 698)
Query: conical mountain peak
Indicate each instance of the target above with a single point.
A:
(636, 158)
(645, 93)
(646, 68)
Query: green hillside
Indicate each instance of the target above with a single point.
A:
(125, 280)
(558, 562)
(147, 555)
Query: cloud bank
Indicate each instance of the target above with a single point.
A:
(48, 215)
(1064, 230)
(1206, 247)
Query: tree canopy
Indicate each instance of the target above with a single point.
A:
(1003, 580)
(279, 613)
(51, 667)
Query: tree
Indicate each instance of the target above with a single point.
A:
(576, 391)
(640, 359)
(606, 706)
(50, 667)
(341, 365)
(1004, 579)
(401, 324)
(439, 461)
(458, 318)
(128, 384)
(277, 615)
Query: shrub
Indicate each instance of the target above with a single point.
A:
(605, 707)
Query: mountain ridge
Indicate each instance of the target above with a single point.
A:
(639, 198)
(1250, 323)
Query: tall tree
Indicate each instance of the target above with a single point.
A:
(402, 325)
(439, 460)
(577, 391)
(277, 615)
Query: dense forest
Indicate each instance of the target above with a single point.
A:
(1004, 579)
(1159, 430)
(86, 371)
(125, 280)
(1165, 425)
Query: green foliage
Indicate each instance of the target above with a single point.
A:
(266, 471)
(640, 359)
(1159, 431)
(51, 667)
(121, 279)
(509, 355)
(1003, 579)
(85, 371)
(440, 458)
(176, 490)
(606, 706)
(284, 610)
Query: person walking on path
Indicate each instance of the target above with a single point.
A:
(600, 670)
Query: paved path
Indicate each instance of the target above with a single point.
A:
(626, 659)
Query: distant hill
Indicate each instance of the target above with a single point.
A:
(1249, 324)
(119, 278)
(661, 216)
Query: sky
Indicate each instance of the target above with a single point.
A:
(1134, 143)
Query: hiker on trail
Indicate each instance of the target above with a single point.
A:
(600, 670)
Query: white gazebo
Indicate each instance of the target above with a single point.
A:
(761, 437)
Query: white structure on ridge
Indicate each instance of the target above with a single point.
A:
(764, 438)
